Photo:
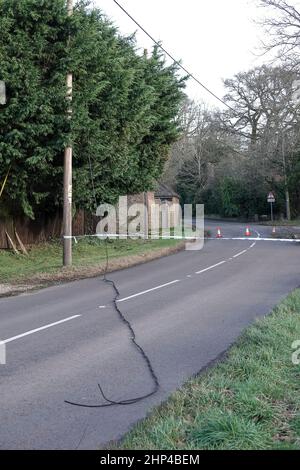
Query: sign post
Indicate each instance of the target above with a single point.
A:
(271, 200)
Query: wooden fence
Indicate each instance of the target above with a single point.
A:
(43, 228)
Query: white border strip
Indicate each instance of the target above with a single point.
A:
(178, 237)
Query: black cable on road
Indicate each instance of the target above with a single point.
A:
(138, 347)
(129, 401)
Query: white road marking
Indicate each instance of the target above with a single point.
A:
(210, 267)
(240, 253)
(148, 290)
(291, 240)
(189, 275)
(234, 256)
(22, 335)
(14, 338)
(260, 239)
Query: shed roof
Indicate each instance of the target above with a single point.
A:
(164, 191)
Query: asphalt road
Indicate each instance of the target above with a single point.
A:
(186, 309)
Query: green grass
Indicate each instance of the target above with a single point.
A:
(282, 223)
(251, 400)
(47, 258)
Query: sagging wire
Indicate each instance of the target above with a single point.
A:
(177, 62)
(138, 347)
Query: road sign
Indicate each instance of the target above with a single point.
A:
(271, 197)
(271, 200)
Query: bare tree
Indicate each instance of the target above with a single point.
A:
(264, 108)
(259, 97)
(202, 149)
(251, 143)
(283, 30)
(195, 120)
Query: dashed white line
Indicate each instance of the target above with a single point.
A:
(148, 290)
(210, 267)
(30, 332)
(240, 253)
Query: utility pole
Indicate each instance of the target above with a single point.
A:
(146, 215)
(67, 210)
(286, 187)
(2, 92)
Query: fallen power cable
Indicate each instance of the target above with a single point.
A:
(139, 348)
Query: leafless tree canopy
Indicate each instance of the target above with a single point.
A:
(250, 148)
(254, 146)
(200, 148)
(262, 99)
(282, 25)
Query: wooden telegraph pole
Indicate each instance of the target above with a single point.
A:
(2, 92)
(286, 185)
(67, 211)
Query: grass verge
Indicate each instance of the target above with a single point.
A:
(251, 400)
(88, 253)
(282, 223)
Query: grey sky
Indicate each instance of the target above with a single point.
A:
(214, 38)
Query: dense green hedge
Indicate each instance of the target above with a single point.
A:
(124, 106)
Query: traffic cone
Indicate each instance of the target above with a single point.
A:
(219, 234)
(247, 233)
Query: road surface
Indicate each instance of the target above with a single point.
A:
(186, 309)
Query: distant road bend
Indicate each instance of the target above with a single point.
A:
(185, 309)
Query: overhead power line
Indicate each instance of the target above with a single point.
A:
(173, 58)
